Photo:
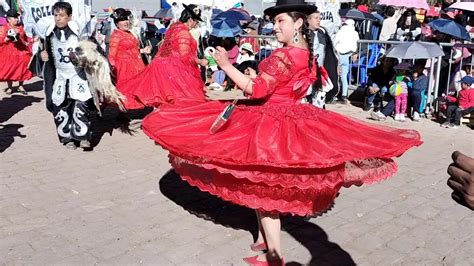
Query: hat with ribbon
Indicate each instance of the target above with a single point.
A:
(194, 10)
(283, 6)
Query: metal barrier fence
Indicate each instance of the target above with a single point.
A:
(269, 43)
(435, 65)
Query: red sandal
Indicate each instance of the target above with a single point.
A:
(253, 261)
(258, 247)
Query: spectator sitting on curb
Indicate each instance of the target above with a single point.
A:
(465, 104)
(461, 179)
(379, 79)
(387, 110)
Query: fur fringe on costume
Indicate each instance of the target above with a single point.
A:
(98, 74)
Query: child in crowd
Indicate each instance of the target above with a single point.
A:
(399, 90)
(246, 53)
(462, 105)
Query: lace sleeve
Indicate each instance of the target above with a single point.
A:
(274, 71)
(187, 51)
(113, 48)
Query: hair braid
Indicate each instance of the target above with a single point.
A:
(309, 37)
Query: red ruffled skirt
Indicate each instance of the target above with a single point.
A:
(14, 64)
(165, 80)
(125, 70)
(277, 158)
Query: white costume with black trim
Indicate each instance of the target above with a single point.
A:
(70, 92)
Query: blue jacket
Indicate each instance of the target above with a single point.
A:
(421, 84)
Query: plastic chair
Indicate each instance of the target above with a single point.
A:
(374, 54)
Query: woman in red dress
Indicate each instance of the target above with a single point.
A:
(124, 54)
(15, 53)
(275, 154)
(174, 73)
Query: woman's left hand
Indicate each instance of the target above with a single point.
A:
(221, 57)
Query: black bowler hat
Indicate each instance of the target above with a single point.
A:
(12, 13)
(283, 6)
(194, 10)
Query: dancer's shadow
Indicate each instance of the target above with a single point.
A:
(11, 105)
(7, 135)
(213, 209)
(112, 120)
(35, 86)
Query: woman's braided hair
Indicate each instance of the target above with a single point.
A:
(309, 35)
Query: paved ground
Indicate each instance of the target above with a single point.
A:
(120, 205)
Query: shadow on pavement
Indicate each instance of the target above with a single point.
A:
(9, 106)
(211, 208)
(112, 119)
(35, 86)
(7, 135)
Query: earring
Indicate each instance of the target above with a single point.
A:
(295, 37)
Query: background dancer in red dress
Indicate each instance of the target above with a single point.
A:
(15, 53)
(124, 54)
(174, 73)
(276, 155)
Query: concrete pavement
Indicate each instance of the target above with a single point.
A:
(120, 205)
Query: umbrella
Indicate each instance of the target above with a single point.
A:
(356, 14)
(224, 28)
(450, 27)
(403, 66)
(415, 50)
(234, 14)
(468, 6)
(164, 13)
(215, 12)
(406, 3)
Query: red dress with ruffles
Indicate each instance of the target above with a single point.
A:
(126, 61)
(276, 154)
(173, 74)
(14, 56)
